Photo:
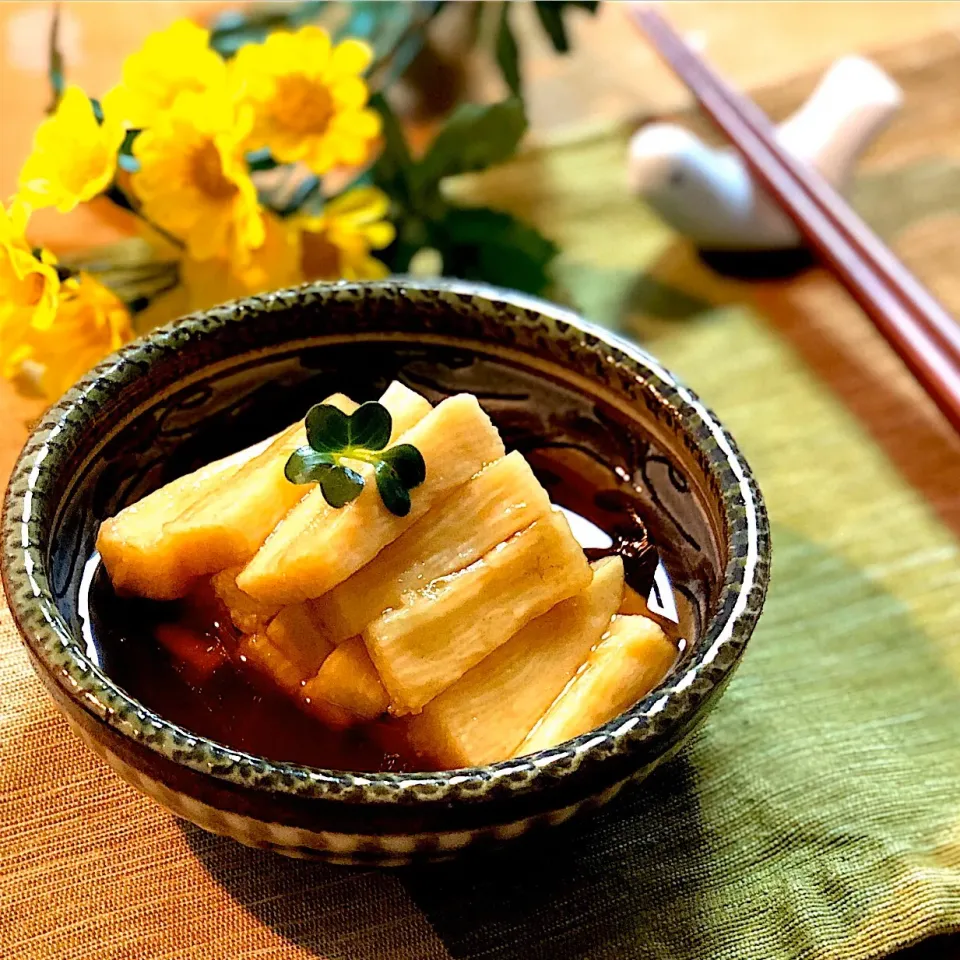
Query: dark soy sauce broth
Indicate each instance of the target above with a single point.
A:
(177, 658)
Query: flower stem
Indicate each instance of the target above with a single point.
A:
(116, 195)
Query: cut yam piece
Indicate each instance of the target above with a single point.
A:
(247, 615)
(257, 653)
(226, 527)
(628, 663)
(501, 500)
(347, 689)
(294, 631)
(131, 544)
(634, 603)
(304, 559)
(487, 713)
(442, 631)
(288, 652)
(313, 512)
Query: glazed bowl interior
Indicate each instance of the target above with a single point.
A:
(608, 432)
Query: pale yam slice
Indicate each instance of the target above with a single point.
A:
(504, 498)
(440, 632)
(132, 544)
(226, 526)
(346, 689)
(487, 713)
(305, 557)
(628, 663)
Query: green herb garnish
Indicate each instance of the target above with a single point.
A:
(334, 437)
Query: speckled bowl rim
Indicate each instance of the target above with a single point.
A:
(679, 699)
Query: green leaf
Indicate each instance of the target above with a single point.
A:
(55, 72)
(234, 29)
(125, 158)
(306, 465)
(328, 428)
(475, 136)
(370, 426)
(303, 194)
(393, 169)
(508, 56)
(340, 485)
(407, 462)
(393, 493)
(482, 244)
(551, 17)
(395, 30)
(261, 159)
(335, 437)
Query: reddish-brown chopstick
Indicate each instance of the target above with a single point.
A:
(919, 329)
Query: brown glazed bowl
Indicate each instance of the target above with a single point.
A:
(216, 381)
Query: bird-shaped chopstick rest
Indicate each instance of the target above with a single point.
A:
(709, 195)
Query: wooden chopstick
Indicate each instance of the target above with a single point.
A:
(918, 328)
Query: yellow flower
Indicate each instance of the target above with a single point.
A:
(193, 179)
(90, 323)
(29, 285)
(337, 243)
(206, 283)
(74, 157)
(275, 264)
(171, 61)
(309, 97)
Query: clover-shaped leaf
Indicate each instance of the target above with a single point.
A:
(370, 426)
(334, 437)
(401, 469)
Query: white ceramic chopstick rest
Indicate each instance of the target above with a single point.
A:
(709, 196)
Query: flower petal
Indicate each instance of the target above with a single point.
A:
(349, 93)
(351, 56)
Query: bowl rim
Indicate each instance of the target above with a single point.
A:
(679, 699)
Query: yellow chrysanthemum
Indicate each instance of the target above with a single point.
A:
(170, 62)
(336, 244)
(74, 158)
(29, 285)
(275, 264)
(309, 96)
(193, 179)
(90, 323)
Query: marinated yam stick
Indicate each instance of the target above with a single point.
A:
(347, 689)
(486, 714)
(131, 544)
(247, 615)
(629, 662)
(227, 526)
(442, 631)
(294, 631)
(289, 650)
(304, 559)
(501, 500)
(312, 513)
(145, 548)
(634, 603)
(286, 673)
(298, 647)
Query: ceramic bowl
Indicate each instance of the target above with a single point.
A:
(219, 380)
